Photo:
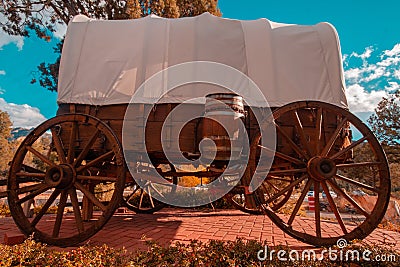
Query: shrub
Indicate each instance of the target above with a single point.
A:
(4, 210)
(212, 253)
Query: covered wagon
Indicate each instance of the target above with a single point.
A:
(256, 107)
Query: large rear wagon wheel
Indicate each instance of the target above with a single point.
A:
(336, 159)
(72, 166)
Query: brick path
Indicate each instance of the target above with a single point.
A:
(170, 225)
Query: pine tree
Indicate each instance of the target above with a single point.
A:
(385, 123)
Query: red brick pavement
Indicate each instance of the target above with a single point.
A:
(130, 230)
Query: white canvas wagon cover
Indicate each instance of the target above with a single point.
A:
(105, 62)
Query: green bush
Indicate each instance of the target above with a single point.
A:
(213, 253)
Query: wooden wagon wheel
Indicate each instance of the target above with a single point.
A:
(252, 202)
(59, 163)
(140, 199)
(332, 153)
(260, 196)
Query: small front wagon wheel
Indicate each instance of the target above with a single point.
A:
(72, 168)
(341, 184)
(252, 203)
(140, 199)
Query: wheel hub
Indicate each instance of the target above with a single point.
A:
(60, 177)
(321, 168)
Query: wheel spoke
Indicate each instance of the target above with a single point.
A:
(317, 210)
(299, 202)
(71, 148)
(96, 178)
(273, 186)
(300, 130)
(333, 206)
(40, 189)
(349, 198)
(350, 181)
(354, 144)
(40, 156)
(334, 136)
(30, 188)
(286, 189)
(287, 172)
(266, 191)
(77, 212)
(156, 190)
(132, 194)
(86, 149)
(295, 147)
(357, 164)
(30, 174)
(60, 213)
(283, 156)
(141, 197)
(151, 199)
(277, 178)
(30, 169)
(318, 125)
(90, 196)
(45, 207)
(58, 145)
(95, 161)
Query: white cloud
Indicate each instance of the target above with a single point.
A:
(373, 72)
(6, 39)
(22, 115)
(396, 74)
(2, 72)
(386, 65)
(60, 30)
(395, 51)
(44, 16)
(367, 53)
(352, 74)
(360, 100)
(369, 72)
(375, 76)
(393, 86)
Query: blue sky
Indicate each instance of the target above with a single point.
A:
(369, 32)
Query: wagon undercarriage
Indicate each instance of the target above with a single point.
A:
(73, 166)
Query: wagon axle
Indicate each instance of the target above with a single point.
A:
(321, 168)
(60, 177)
